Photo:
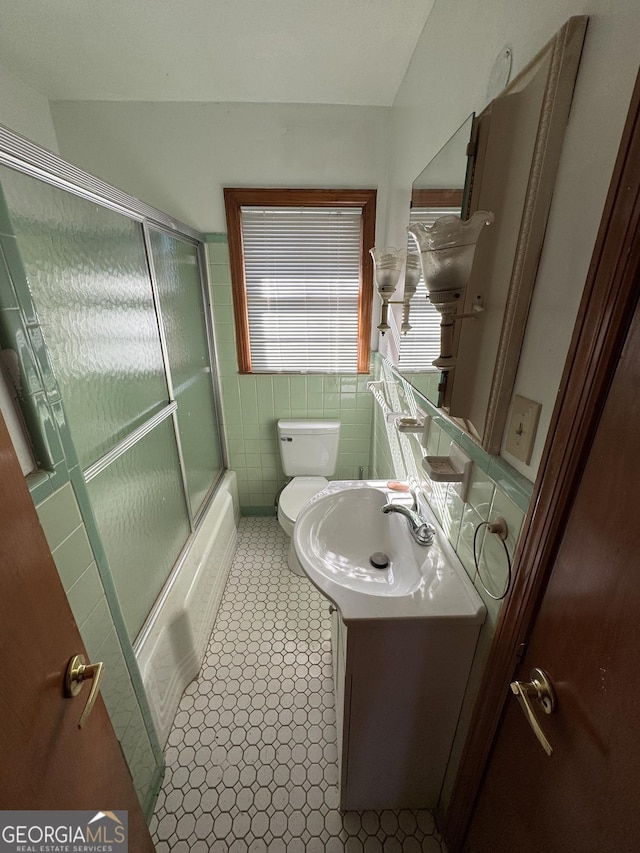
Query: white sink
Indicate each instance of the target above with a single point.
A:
(338, 531)
(344, 528)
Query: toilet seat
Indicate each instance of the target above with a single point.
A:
(294, 496)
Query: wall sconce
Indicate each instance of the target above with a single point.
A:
(446, 251)
(387, 266)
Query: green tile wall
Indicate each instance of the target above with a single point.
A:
(382, 466)
(496, 489)
(253, 403)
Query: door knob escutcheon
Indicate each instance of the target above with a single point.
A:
(541, 690)
(77, 673)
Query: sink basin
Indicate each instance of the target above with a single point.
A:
(339, 530)
(345, 527)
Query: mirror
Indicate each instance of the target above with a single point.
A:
(446, 173)
(517, 141)
(437, 191)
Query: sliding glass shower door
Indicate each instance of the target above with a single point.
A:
(176, 269)
(118, 309)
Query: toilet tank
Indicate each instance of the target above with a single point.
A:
(308, 448)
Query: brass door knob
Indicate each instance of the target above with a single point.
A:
(77, 673)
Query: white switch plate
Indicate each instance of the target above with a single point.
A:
(523, 425)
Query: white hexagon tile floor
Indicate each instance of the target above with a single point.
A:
(252, 756)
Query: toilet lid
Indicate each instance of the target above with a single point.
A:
(298, 492)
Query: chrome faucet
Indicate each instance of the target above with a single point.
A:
(421, 531)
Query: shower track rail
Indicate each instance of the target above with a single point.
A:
(25, 156)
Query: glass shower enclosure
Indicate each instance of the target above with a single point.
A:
(104, 305)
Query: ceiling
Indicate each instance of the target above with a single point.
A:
(295, 51)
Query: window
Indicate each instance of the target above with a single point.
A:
(302, 278)
(420, 346)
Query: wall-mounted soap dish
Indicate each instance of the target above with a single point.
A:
(440, 469)
(409, 424)
(454, 468)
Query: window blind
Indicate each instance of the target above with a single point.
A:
(302, 280)
(420, 346)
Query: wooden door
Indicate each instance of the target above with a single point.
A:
(587, 638)
(46, 761)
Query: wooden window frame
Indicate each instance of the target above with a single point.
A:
(436, 198)
(235, 198)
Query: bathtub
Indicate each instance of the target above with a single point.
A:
(172, 643)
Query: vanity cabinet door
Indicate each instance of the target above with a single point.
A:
(402, 688)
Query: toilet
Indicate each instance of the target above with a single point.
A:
(309, 453)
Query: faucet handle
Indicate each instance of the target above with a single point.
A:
(424, 534)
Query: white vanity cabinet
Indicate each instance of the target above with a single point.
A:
(399, 686)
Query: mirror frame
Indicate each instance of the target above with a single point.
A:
(560, 58)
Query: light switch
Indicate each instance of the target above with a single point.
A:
(523, 425)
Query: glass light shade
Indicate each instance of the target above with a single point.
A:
(387, 265)
(446, 249)
(412, 274)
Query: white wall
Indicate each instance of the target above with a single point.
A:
(26, 111)
(178, 156)
(447, 79)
